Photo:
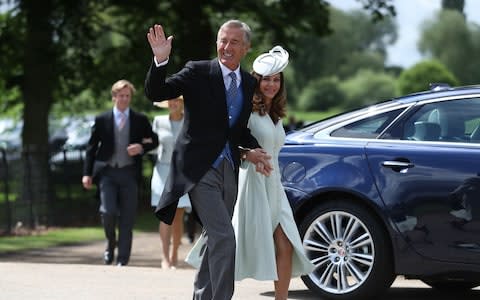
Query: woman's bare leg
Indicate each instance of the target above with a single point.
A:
(177, 234)
(283, 253)
(165, 235)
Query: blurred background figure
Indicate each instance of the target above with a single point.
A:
(119, 138)
(292, 124)
(167, 128)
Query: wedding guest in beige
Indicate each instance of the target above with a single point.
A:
(167, 127)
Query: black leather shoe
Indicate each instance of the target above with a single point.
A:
(108, 257)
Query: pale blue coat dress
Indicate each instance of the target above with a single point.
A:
(167, 131)
(261, 206)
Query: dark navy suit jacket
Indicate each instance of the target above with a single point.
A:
(205, 130)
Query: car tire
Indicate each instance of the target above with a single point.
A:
(450, 285)
(345, 241)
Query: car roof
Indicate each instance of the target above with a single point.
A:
(441, 92)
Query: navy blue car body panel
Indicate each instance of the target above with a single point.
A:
(413, 164)
(433, 219)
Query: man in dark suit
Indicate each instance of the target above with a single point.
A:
(217, 97)
(113, 161)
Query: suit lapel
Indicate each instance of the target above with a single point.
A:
(133, 128)
(218, 87)
(110, 125)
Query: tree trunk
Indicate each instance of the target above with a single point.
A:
(37, 89)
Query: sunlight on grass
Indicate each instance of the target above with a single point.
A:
(51, 238)
(145, 222)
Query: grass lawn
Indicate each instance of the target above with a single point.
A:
(64, 236)
(49, 238)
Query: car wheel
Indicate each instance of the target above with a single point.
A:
(450, 285)
(349, 249)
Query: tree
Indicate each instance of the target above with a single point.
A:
(418, 77)
(321, 94)
(356, 43)
(457, 5)
(367, 87)
(449, 39)
(55, 50)
(353, 37)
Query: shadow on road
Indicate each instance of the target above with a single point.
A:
(402, 293)
(394, 293)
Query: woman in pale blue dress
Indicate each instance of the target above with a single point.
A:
(167, 128)
(268, 243)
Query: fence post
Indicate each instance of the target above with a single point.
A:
(67, 176)
(27, 184)
(7, 192)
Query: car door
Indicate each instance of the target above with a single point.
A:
(430, 180)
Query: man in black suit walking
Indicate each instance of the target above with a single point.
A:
(218, 101)
(113, 161)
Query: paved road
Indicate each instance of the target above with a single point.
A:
(77, 273)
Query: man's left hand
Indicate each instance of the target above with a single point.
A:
(261, 159)
(134, 149)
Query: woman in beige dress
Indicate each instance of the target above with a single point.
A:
(167, 128)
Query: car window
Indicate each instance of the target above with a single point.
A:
(369, 127)
(455, 121)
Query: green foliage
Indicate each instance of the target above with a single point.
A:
(12, 30)
(98, 42)
(367, 87)
(418, 77)
(379, 9)
(145, 221)
(9, 104)
(454, 4)
(371, 60)
(321, 94)
(312, 116)
(450, 39)
(356, 43)
(50, 238)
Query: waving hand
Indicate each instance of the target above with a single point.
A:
(161, 46)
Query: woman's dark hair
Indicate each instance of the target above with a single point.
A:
(279, 102)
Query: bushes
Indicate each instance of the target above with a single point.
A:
(418, 77)
(321, 94)
(365, 87)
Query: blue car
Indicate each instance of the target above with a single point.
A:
(391, 189)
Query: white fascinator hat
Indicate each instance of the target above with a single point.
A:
(272, 62)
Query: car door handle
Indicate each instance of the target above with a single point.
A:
(397, 165)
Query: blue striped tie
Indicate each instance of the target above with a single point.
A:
(232, 89)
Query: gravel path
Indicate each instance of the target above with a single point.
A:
(77, 272)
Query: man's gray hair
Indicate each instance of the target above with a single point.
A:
(239, 24)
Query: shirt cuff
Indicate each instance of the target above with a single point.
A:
(157, 64)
